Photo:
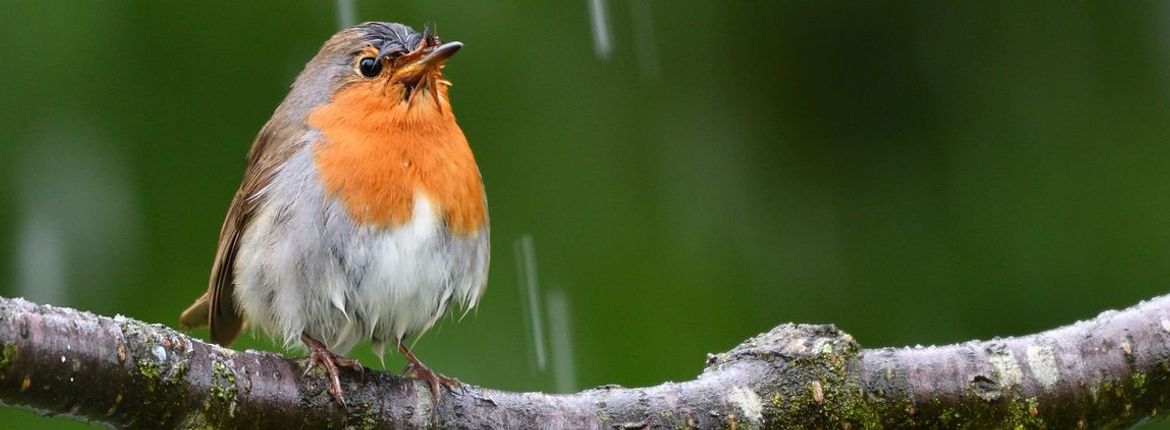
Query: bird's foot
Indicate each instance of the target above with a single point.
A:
(421, 372)
(319, 354)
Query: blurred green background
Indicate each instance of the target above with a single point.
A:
(687, 173)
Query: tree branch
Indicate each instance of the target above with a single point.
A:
(1111, 371)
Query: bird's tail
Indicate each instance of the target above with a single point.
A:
(197, 315)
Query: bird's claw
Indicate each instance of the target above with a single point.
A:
(420, 372)
(319, 354)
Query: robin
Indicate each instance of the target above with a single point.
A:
(361, 214)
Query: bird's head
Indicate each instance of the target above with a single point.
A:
(379, 66)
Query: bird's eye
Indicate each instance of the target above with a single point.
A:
(370, 67)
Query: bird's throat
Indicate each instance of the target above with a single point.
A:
(377, 152)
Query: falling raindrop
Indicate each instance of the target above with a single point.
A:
(647, 54)
(346, 13)
(601, 37)
(561, 341)
(530, 295)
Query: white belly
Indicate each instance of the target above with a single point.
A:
(303, 266)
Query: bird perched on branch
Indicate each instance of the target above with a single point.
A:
(361, 214)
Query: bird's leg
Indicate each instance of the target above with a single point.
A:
(318, 353)
(417, 370)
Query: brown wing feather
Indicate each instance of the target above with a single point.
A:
(224, 319)
(217, 308)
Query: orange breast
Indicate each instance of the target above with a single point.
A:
(377, 152)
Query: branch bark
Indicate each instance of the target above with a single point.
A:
(1111, 371)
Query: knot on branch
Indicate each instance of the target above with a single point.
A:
(790, 342)
(806, 375)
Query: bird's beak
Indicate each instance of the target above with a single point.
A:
(439, 54)
(421, 69)
(423, 61)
